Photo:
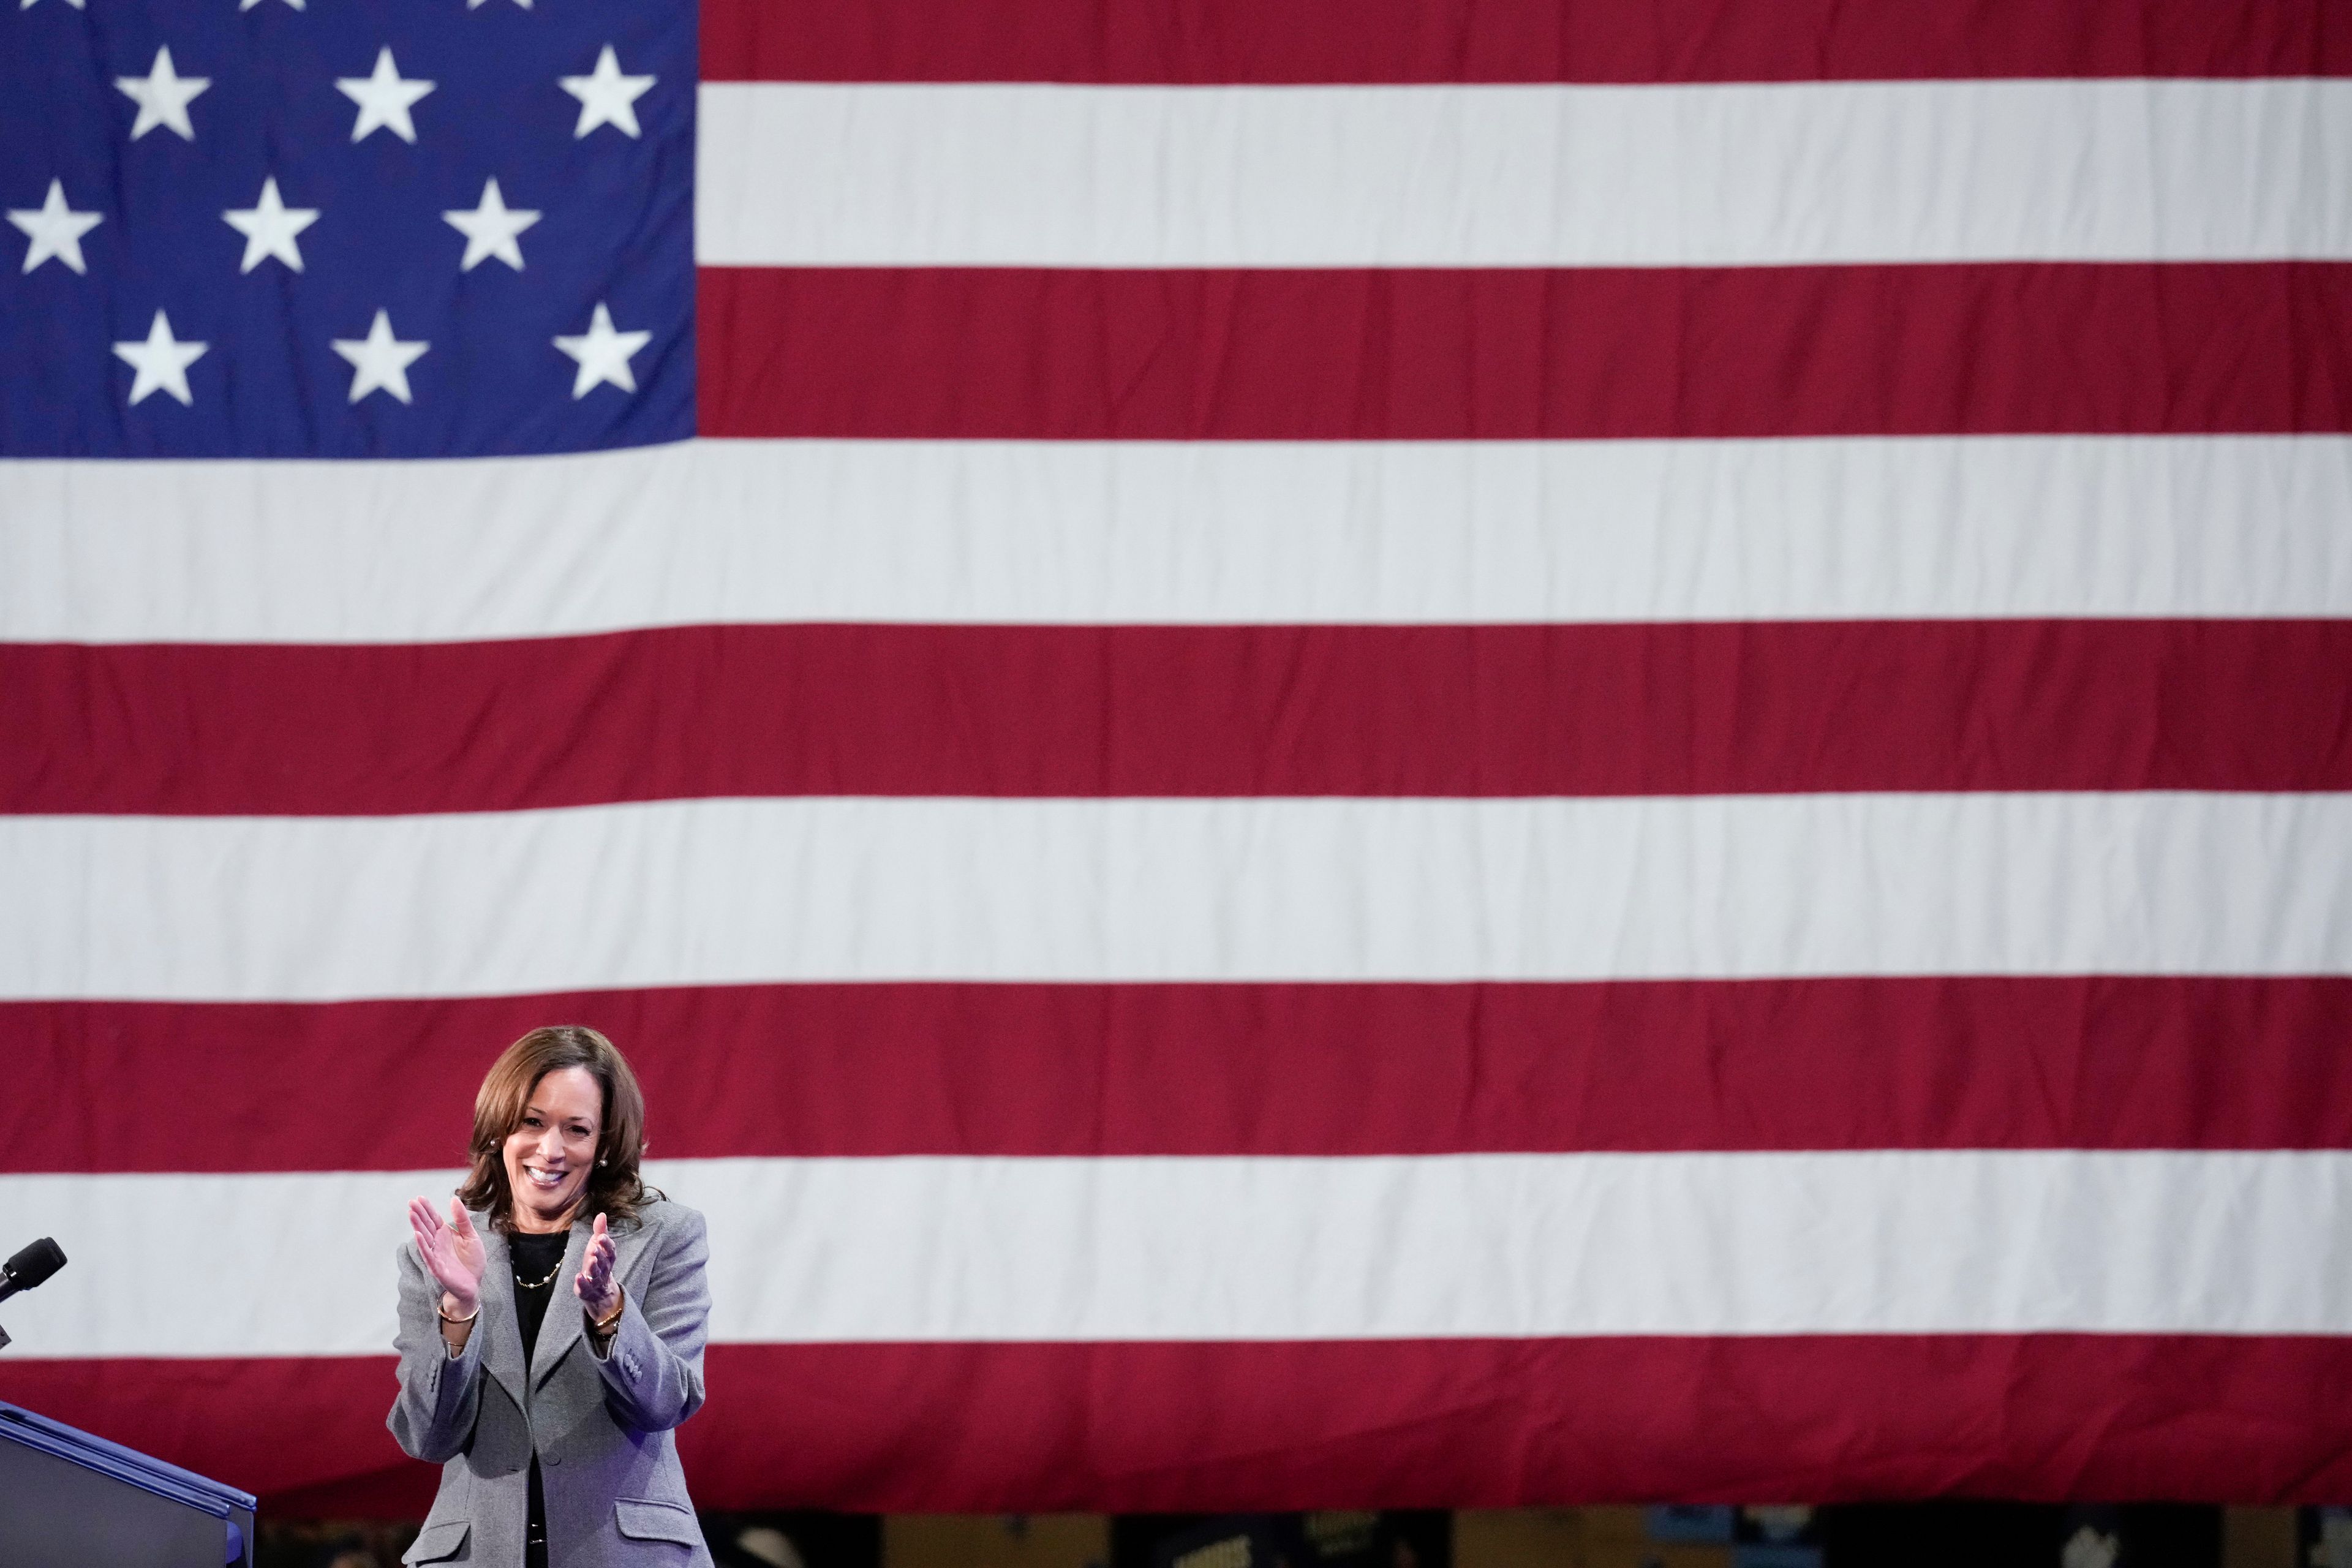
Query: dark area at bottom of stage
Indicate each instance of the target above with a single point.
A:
(1870, 1535)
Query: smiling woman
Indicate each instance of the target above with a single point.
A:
(559, 1116)
(554, 1190)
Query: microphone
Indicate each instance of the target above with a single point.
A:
(32, 1266)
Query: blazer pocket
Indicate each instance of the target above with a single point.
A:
(642, 1519)
(438, 1543)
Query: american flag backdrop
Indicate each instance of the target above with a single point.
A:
(1320, 752)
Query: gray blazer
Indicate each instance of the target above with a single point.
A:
(616, 1496)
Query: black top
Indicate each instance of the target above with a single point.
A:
(537, 1260)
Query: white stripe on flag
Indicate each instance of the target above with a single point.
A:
(895, 174)
(687, 892)
(1231, 1249)
(1198, 532)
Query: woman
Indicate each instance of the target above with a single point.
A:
(552, 1424)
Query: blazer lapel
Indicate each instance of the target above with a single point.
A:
(564, 1326)
(560, 1329)
(502, 1350)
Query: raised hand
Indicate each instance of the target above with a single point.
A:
(595, 1284)
(453, 1255)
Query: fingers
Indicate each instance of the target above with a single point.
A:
(459, 1220)
(594, 1280)
(434, 1242)
(427, 1231)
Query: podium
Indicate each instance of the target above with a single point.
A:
(71, 1501)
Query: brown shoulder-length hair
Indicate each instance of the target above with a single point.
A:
(615, 1190)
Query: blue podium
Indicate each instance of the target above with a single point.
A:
(71, 1501)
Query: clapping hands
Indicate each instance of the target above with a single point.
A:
(453, 1255)
(598, 1295)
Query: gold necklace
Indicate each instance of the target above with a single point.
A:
(541, 1284)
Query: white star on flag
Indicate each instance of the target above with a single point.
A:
(380, 361)
(161, 362)
(270, 227)
(54, 229)
(477, 5)
(162, 96)
(603, 354)
(606, 97)
(384, 98)
(491, 229)
(249, 4)
(27, 4)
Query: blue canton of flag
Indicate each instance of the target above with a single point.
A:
(345, 227)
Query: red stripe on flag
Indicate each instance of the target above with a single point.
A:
(1429, 354)
(1247, 41)
(1767, 707)
(1329, 1070)
(1461, 1422)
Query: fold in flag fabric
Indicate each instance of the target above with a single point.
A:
(1380, 752)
